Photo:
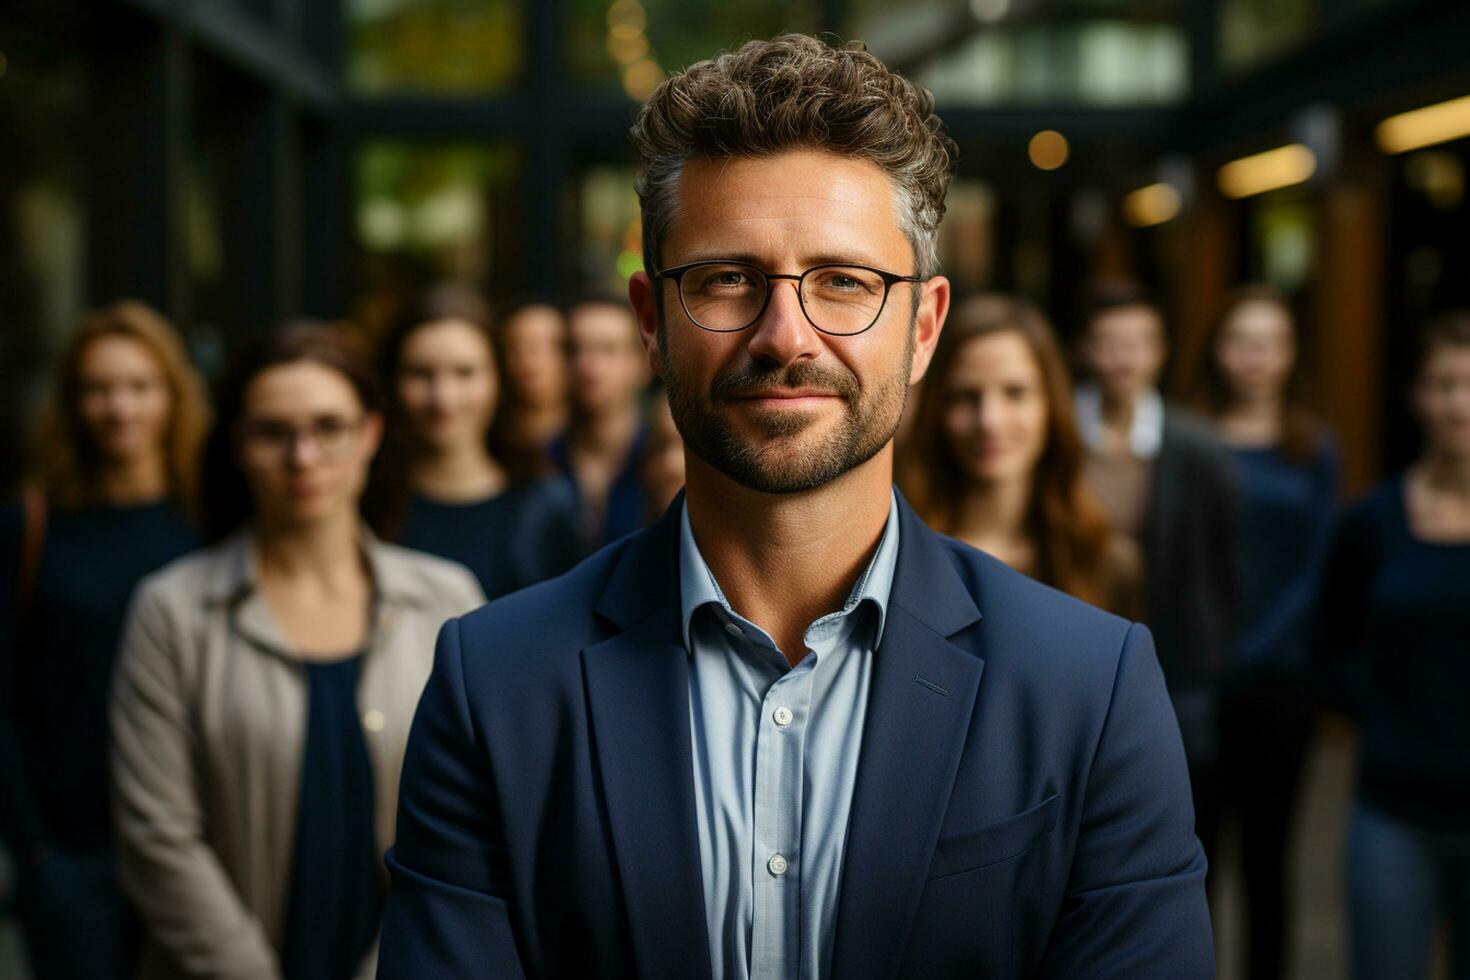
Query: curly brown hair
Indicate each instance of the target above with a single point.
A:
(795, 92)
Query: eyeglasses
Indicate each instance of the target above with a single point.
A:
(269, 440)
(724, 297)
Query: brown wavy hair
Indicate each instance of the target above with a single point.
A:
(1301, 431)
(68, 465)
(1068, 525)
(790, 93)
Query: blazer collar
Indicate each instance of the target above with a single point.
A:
(235, 568)
(920, 703)
(926, 581)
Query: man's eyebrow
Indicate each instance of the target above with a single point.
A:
(808, 261)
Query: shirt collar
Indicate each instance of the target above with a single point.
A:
(698, 587)
(1145, 436)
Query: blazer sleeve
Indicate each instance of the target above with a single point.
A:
(1135, 901)
(169, 872)
(448, 913)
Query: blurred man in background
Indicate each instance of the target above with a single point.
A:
(1168, 483)
(603, 448)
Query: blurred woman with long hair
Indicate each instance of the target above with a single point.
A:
(266, 685)
(470, 499)
(1287, 477)
(1395, 622)
(117, 456)
(995, 460)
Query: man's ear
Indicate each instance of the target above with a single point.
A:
(928, 323)
(642, 293)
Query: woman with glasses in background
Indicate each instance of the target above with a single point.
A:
(487, 506)
(995, 460)
(1395, 622)
(117, 461)
(1286, 468)
(266, 685)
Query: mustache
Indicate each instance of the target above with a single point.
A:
(745, 381)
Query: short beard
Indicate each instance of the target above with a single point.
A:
(869, 422)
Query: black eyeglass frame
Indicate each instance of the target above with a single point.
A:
(890, 279)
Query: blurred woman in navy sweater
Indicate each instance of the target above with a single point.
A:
(1287, 477)
(117, 462)
(490, 508)
(1396, 632)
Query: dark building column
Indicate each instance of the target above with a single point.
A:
(139, 102)
(1346, 342)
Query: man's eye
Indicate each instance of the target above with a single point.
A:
(726, 280)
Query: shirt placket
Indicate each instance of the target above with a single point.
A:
(776, 840)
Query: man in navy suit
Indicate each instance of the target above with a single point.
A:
(789, 731)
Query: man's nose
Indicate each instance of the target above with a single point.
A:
(783, 335)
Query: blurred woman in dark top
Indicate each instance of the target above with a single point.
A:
(995, 459)
(532, 342)
(1287, 479)
(265, 685)
(1396, 651)
(117, 461)
(485, 507)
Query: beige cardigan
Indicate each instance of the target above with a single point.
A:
(209, 725)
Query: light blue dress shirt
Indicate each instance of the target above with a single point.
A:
(775, 760)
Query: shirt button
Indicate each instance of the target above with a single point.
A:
(373, 720)
(777, 865)
(782, 716)
(733, 630)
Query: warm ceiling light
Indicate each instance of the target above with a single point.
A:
(641, 78)
(1152, 205)
(626, 18)
(1425, 127)
(1281, 167)
(1048, 149)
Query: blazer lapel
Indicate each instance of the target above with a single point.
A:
(638, 696)
(920, 702)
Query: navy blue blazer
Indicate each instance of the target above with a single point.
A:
(1022, 805)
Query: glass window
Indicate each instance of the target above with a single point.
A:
(1253, 31)
(1102, 63)
(967, 235)
(610, 246)
(444, 47)
(1283, 239)
(425, 212)
(43, 230)
(634, 43)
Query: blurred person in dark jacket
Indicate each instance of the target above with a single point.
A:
(532, 343)
(1286, 466)
(489, 507)
(1395, 632)
(117, 461)
(994, 458)
(663, 464)
(1167, 482)
(603, 448)
(265, 685)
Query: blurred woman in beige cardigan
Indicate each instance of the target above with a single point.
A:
(266, 685)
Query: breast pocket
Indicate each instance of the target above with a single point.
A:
(998, 842)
